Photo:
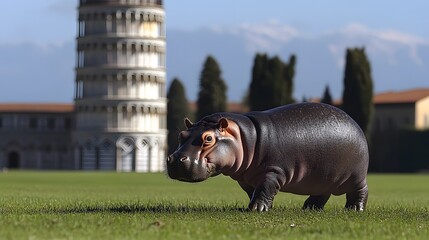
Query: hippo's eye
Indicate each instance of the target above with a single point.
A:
(208, 139)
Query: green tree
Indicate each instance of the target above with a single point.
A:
(277, 82)
(358, 89)
(177, 110)
(272, 82)
(327, 98)
(289, 72)
(212, 93)
(258, 85)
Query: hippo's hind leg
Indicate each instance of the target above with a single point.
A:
(316, 202)
(356, 200)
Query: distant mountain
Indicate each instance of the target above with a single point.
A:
(33, 72)
(398, 60)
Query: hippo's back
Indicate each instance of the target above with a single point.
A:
(315, 144)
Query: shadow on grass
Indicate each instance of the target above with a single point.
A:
(149, 208)
(379, 212)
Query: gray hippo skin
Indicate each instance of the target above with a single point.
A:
(309, 149)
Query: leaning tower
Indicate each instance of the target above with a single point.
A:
(120, 99)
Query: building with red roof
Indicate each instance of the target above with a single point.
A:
(39, 135)
(395, 110)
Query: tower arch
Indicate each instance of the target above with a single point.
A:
(127, 157)
(143, 155)
(107, 155)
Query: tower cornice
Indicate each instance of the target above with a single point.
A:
(116, 3)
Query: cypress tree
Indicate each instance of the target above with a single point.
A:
(277, 82)
(327, 98)
(358, 89)
(177, 110)
(272, 82)
(258, 90)
(212, 92)
(289, 72)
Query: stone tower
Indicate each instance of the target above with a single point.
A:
(120, 99)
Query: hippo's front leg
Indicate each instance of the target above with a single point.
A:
(247, 188)
(263, 195)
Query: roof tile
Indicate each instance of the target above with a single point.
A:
(37, 107)
(407, 96)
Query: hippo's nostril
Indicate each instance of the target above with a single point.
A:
(182, 159)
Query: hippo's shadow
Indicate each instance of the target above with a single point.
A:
(151, 208)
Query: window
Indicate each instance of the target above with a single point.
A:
(407, 121)
(33, 123)
(390, 123)
(51, 123)
(67, 123)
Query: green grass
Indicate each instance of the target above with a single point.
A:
(82, 205)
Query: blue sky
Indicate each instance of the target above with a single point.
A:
(309, 16)
(49, 24)
(53, 21)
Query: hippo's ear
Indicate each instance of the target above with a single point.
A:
(222, 124)
(188, 123)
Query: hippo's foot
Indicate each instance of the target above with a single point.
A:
(316, 202)
(260, 205)
(357, 200)
(263, 197)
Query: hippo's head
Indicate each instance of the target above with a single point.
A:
(205, 149)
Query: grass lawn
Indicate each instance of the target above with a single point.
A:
(86, 205)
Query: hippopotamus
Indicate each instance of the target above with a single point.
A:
(310, 149)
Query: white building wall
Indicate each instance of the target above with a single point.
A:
(422, 113)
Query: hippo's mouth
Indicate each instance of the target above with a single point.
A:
(196, 170)
(210, 166)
